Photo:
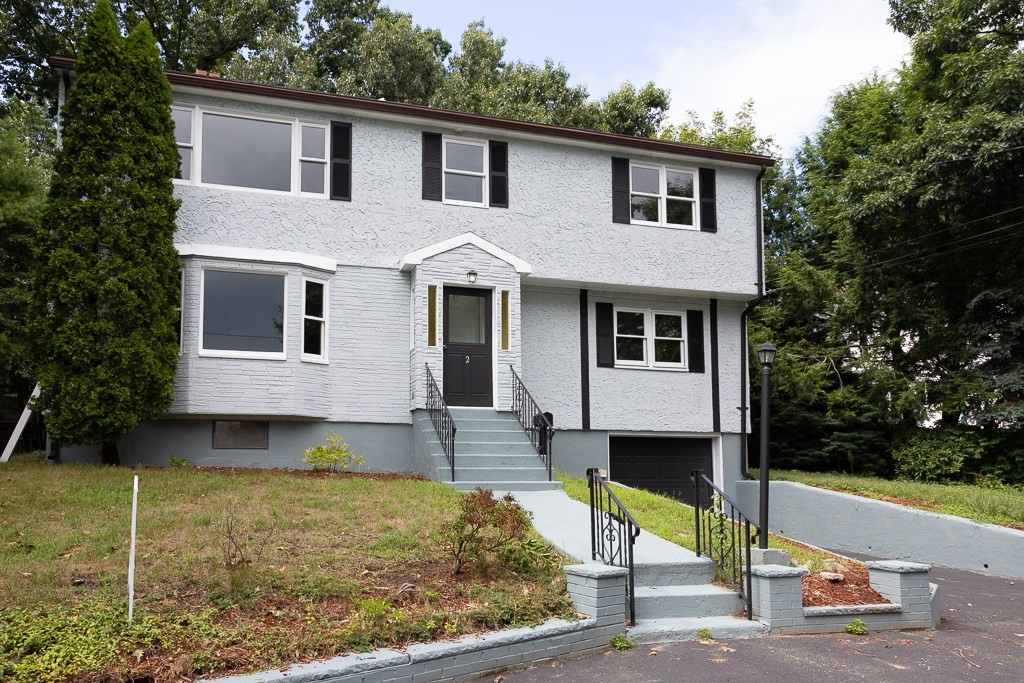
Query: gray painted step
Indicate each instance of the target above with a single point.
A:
(675, 630)
(668, 602)
(502, 486)
(508, 460)
(497, 473)
(493, 448)
(696, 571)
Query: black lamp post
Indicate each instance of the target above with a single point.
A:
(766, 353)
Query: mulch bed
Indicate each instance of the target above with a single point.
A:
(854, 589)
(309, 474)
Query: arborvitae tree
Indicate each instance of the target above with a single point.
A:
(106, 277)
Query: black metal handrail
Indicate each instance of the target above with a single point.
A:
(613, 532)
(534, 421)
(724, 536)
(444, 425)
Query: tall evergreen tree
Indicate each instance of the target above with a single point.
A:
(106, 277)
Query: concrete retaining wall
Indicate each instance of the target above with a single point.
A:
(844, 522)
(914, 602)
(598, 591)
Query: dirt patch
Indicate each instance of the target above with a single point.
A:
(309, 474)
(854, 589)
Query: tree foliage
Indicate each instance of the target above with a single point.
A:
(102, 315)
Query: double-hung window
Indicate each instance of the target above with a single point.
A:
(314, 320)
(465, 172)
(661, 195)
(182, 119)
(312, 159)
(645, 338)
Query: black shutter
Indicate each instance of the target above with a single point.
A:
(708, 216)
(605, 335)
(432, 166)
(620, 190)
(695, 340)
(341, 161)
(499, 174)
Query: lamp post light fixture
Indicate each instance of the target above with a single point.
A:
(766, 354)
(471, 277)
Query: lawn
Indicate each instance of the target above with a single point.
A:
(236, 570)
(673, 521)
(993, 506)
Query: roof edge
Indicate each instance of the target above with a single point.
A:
(446, 116)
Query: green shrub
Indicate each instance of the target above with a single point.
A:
(704, 633)
(485, 529)
(620, 641)
(935, 455)
(333, 455)
(857, 627)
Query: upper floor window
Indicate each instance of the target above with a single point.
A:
(465, 172)
(660, 195)
(267, 154)
(465, 168)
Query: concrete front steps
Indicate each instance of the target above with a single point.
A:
(676, 599)
(493, 452)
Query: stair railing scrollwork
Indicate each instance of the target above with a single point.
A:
(536, 423)
(441, 417)
(724, 535)
(613, 532)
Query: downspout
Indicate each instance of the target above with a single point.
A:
(744, 461)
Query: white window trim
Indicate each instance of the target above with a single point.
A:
(483, 176)
(324, 335)
(681, 365)
(229, 353)
(190, 145)
(646, 338)
(662, 196)
(296, 152)
(649, 362)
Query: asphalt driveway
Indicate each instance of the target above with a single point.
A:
(981, 638)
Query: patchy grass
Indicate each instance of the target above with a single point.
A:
(1003, 506)
(236, 570)
(673, 521)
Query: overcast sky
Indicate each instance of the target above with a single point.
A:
(787, 55)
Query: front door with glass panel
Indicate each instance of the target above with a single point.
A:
(467, 347)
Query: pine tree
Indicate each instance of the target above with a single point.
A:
(106, 277)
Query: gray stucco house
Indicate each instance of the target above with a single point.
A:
(334, 248)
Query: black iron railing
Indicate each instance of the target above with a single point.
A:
(613, 532)
(535, 422)
(723, 534)
(444, 425)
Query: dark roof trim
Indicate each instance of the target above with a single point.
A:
(443, 115)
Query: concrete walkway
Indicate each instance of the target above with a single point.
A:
(565, 523)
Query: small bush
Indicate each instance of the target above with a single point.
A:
(857, 627)
(332, 456)
(175, 461)
(485, 529)
(704, 634)
(620, 641)
(935, 456)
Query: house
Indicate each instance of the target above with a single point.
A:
(335, 249)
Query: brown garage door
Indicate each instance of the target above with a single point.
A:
(659, 463)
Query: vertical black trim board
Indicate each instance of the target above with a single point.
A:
(605, 314)
(432, 166)
(585, 358)
(341, 161)
(716, 407)
(498, 168)
(708, 214)
(620, 190)
(695, 341)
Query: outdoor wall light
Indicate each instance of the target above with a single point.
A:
(766, 353)
(471, 277)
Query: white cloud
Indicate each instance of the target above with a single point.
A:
(788, 56)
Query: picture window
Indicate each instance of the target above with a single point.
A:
(243, 314)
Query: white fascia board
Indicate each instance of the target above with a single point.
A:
(415, 258)
(218, 251)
